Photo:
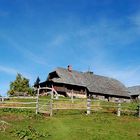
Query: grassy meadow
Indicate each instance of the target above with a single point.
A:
(67, 125)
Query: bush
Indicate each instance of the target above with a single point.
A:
(29, 133)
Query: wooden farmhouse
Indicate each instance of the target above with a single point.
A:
(81, 84)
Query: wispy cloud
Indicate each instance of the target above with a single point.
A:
(57, 40)
(103, 42)
(129, 76)
(25, 52)
(97, 45)
(8, 70)
(135, 19)
(106, 32)
(14, 71)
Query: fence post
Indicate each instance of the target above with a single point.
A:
(88, 105)
(51, 104)
(72, 96)
(37, 101)
(56, 94)
(139, 110)
(56, 97)
(119, 110)
(2, 99)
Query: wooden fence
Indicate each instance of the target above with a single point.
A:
(28, 102)
(90, 105)
(49, 105)
(20, 102)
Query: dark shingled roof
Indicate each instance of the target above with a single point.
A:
(135, 90)
(94, 83)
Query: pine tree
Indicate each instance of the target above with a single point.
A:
(36, 84)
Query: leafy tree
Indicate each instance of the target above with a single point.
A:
(20, 86)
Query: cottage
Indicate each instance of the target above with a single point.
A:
(134, 92)
(81, 84)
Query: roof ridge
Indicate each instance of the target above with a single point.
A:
(67, 70)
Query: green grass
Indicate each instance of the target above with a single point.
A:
(68, 125)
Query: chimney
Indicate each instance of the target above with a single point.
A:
(69, 68)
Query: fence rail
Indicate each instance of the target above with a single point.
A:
(10, 102)
(50, 105)
(17, 102)
(18, 107)
(92, 105)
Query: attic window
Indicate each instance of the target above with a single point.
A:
(53, 75)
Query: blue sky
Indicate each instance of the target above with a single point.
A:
(36, 36)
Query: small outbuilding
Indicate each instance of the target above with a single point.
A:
(134, 92)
